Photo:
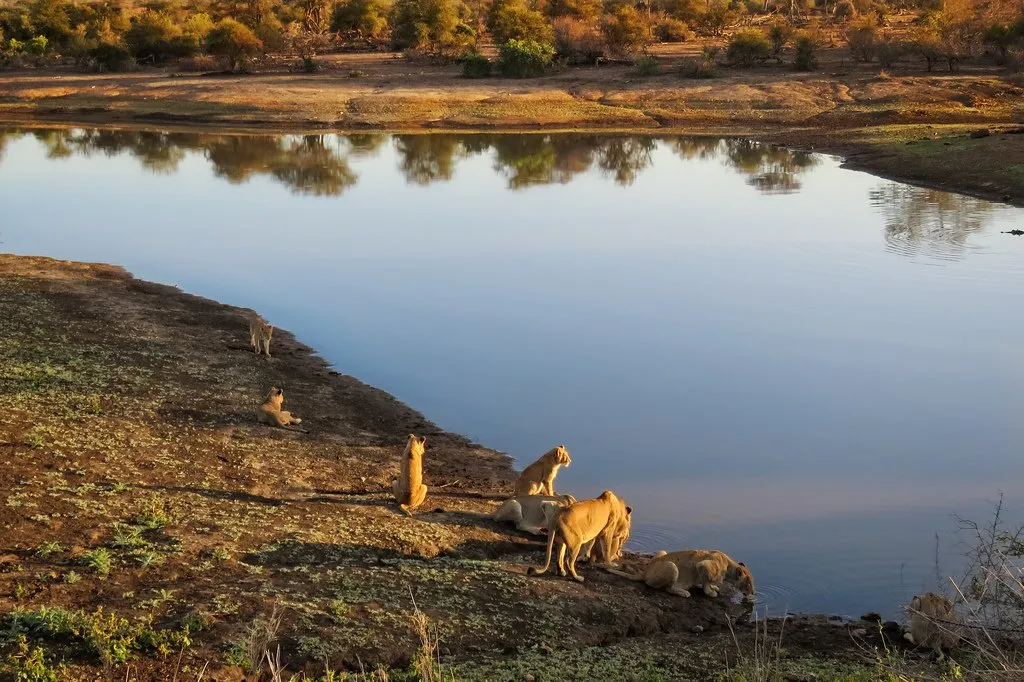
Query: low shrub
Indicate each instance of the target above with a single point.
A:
(670, 30)
(888, 51)
(525, 58)
(234, 40)
(714, 21)
(748, 47)
(578, 41)
(112, 57)
(510, 19)
(704, 66)
(37, 45)
(806, 45)
(845, 10)
(476, 66)
(780, 33)
(200, 64)
(860, 38)
(647, 66)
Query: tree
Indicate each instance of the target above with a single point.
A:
(234, 40)
(367, 19)
(430, 26)
(626, 32)
(513, 19)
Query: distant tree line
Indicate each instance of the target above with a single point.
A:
(531, 35)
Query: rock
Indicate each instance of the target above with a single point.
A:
(980, 133)
(697, 629)
(890, 626)
(1015, 233)
(529, 678)
(859, 632)
(9, 559)
(545, 649)
(872, 617)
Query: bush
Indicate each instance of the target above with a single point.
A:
(703, 67)
(476, 66)
(199, 64)
(577, 9)
(806, 51)
(149, 37)
(36, 45)
(367, 19)
(714, 21)
(234, 40)
(927, 44)
(430, 27)
(524, 58)
(626, 32)
(1001, 37)
(670, 30)
(577, 41)
(112, 57)
(647, 66)
(748, 47)
(513, 19)
(861, 40)
(845, 10)
(780, 33)
(888, 51)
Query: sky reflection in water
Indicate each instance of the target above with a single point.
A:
(808, 367)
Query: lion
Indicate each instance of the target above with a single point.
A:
(620, 534)
(539, 477)
(679, 572)
(270, 411)
(532, 513)
(579, 524)
(259, 334)
(932, 623)
(408, 487)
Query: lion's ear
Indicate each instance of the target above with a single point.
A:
(743, 564)
(629, 510)
(423, 441)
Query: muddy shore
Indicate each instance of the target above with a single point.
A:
(906, 125)
(129, 434)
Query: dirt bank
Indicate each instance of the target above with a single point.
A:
(136, 481)
(895, 123)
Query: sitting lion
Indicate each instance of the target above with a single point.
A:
(932, 623)
(532, 513)
(581, 523)
(678, 572)
(539, 477)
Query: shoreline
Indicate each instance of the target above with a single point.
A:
(911, 127)
(263, 518)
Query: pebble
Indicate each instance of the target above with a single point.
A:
(697, 629)
(529, 678)
(859, 632)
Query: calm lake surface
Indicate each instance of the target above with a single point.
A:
(810, 368)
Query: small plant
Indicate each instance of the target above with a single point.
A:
(861, 39)
(524, 58)
(196, 621)
(128, 537)
(71, 577)
(99, 560)
(37, 45)
(30, 664)
(47, 549)
(153, 515)
(806, 51)
(252, 649)
(338, 610)
(34, 439)
(220, 554)
(310, 65)
(647, 66)
(92, 405)
(748, 47)
(147, 558)
(476, 65)
(704, 66)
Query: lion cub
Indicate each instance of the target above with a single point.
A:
(679, 572)
(579, 524)
(270, 411)
(532, 513)
(539, 477)
(408, 487)
(259, 334)
(932, 623)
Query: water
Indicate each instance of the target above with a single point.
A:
(810, 368)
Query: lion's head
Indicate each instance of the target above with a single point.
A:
(416, 446)
(743, 578)
(561, 456)
(275, 397)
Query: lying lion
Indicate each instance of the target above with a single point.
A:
(679, 572)
(532, 513)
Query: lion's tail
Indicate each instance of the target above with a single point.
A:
(623, 574)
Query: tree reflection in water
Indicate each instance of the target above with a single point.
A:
(920, 221)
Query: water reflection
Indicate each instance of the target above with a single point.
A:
(319, 164)
(928, 222)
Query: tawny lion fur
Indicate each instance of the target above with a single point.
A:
(932, 623)
(270, 411)
(408, 487)
(539, 477)
(579, 524)
(679, 572)
(259, 334)
(532, 513)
